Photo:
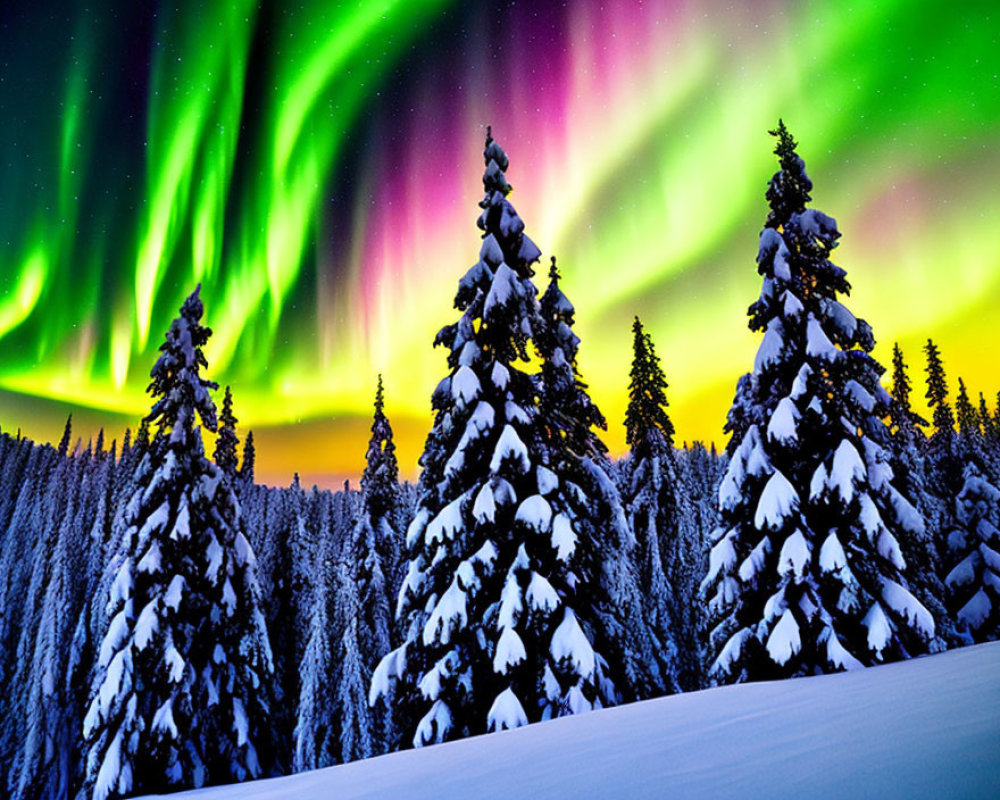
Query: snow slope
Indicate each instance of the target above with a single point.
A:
(923, 728)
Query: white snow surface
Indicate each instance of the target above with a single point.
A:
(778, 501)
(926, 728)
(783, 426)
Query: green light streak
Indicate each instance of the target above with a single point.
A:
(187, 89)
(362, 43)
(16, 306)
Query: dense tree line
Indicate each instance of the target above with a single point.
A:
(167, 622)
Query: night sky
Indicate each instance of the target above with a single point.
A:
(316, 166)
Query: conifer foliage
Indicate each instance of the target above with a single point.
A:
(249, 459)
(492, 636)
(566, 412)
(972, 556)
(647, 425)
(937, 393)
(971, 568)
(375, 554)
(227, 443)
(912, 475)
(67, 435)
(568, 445)
(652, 495)
(806, 571)
(180, 695)
(315, 735)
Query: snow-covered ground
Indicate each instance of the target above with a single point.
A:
(924, 728)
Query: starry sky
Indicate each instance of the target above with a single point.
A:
(316, 167)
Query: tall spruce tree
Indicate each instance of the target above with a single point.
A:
(180, 695)
(972, 547)
(937, 392)
(571, 449)
(806, 572)
(966, 415)
(227, 443)
(901, 415)
(945, 466)
(910, 469)
(376, 551)
(67, 435)
(654, 506)
(249, 459)
(315, 740)
(492, 635)
(567, 413)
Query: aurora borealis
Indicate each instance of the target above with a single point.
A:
(317, 169)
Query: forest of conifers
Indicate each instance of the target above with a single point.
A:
(166, 622)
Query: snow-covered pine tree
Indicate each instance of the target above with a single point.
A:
(909, 466)
(937, 391)
(96, 551)
(249, 459)
(227, 443)
(972, 549)
(14, 465)
(966, 415)
(654, 510)
(806, 572)
(23, 574)
(67, 435)
(180, 694)
(43, 769)
(699, 471)
(490, 641)
(358, 737)
(377, 523)
(902, 418)
(566, 412)
(310, 524)
(25, 479)
(302, 543)
(315, 743)
(742, 413)
(572, 451)
(380, 479)
(278, 509)
(942, 452)
(972, 555)
(375, 548)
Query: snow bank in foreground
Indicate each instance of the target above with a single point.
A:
(923, 728)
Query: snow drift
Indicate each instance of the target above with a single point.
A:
(923, 728)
